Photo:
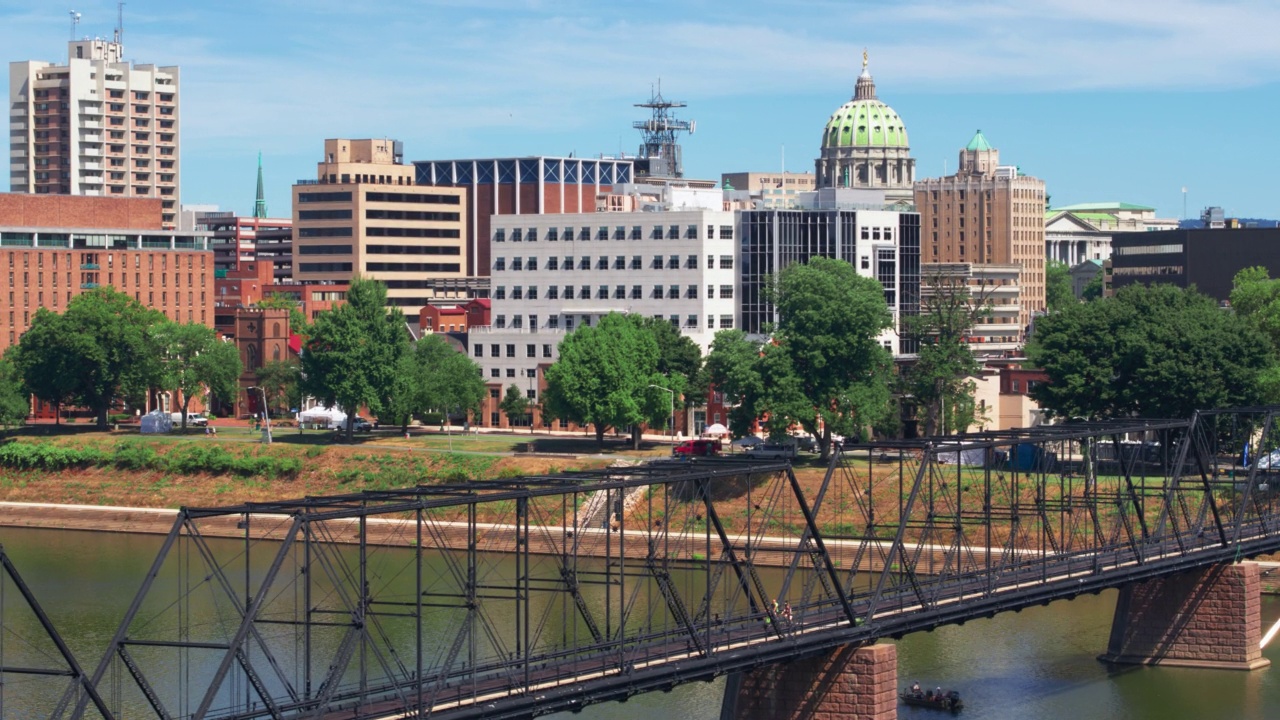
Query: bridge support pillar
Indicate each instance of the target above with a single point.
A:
(1209, 618)
(845, 684)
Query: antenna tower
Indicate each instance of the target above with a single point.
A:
(119, 22)
(661, 132)
(75, 23)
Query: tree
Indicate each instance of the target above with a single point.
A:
(102, 342)
(1057, 286)
(939, 379)
(823, 368)
(1092, 289)
(280, 381)
(354, 349)
(603, 375)
(515, 404)
(194, 359)
(1157, 351)
(434, 377)
(1255, 297)
(280, 301)
(14, 402)
(677, 355)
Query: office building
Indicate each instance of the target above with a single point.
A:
(237, 240)
(520, 186)
(771, 189)
(987, 214)
(993, 287)
(364, 215)
(864, 146)
(53, 248)
(1207, 259)
(96, 125)
(879, 240)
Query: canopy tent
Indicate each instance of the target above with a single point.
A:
(157, 421)
(716, 429)
(322, 416)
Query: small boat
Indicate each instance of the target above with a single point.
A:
(948, 700)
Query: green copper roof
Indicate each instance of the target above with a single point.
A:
(865, 123)
(1104, 207)
(979, 142)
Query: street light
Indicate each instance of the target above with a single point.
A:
(265, 414)
(673, 409)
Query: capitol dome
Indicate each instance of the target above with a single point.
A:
(864, 145)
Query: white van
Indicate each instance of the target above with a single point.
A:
(193, 419)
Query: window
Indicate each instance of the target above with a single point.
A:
(691, 262)
(546, 350)
(532, 294)
(553, 322)
(553, 263)
(531, 264)
(637, 263)
(726, 262)
(553, 292)
(657, 262)
(568, 264)
(637, 292)
(511, 372)
(602, 263)
(495, 372)
(517, 235)
(479, 350)
(584, 235)
(620, 263)
(866, 263)
(584, 263)
(517, 263)
(711, 262)
(620, 233)
(602, 233)
(673, 292)
(619, 292)
(657, 291)
(531, 394)
(495, 350)
(500, 264)
(553, 234)
(568, 292)
(531, 235)
(691, 232)
(726, 291)
(691, 321)
(531, 350)
(500, 293)
(493, 393)
(726, 232)
(635, 232)
(511, 350)
(500, 321)
(602, 292)
(691, 292)
(726, 321)
(499, 235)
(517, 293)
(568, 323)
(584, 292)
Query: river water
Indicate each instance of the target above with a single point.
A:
(1039, 663)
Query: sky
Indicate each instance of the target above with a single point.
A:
(1105, 100)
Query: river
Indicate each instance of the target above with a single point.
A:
(1039, 663)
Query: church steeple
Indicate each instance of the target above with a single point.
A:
(865, 89)
(260, 204)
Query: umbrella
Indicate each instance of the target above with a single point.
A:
(716, 429)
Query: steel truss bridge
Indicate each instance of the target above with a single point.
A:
(518, 597)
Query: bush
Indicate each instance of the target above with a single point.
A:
(135, 456)
(46, 456)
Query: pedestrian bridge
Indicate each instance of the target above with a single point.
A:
(518, 597)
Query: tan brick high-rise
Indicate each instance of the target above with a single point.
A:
(986, 213)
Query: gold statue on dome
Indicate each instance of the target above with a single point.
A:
(864, 58)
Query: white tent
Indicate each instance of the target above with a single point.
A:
(716, 429)
(157, 422)
(323, 417)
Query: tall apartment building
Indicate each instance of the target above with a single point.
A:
(364, 215)
(55, 248)
(96, 125)
(521, 186)
(237, 240)
(987, 213)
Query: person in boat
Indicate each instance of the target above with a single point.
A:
(937, 692)
(915, 688)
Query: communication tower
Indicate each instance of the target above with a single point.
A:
(660, 151)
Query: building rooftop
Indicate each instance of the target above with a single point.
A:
(1103, 207)
(979, 142)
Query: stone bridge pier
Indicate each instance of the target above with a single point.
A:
(848, 683)
(1208, 618)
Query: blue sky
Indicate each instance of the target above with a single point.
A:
(1103, 99)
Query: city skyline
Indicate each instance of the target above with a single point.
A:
(1128, 102)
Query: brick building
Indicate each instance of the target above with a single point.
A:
(53, 248)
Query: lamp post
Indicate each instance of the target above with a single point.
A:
(266, 415)
(672, 393)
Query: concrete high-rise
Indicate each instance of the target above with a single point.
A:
(986, 213)
(96, 125)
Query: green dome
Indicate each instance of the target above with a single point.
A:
(865, 123)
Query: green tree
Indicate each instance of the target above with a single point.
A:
(280, 380)
(193, 359)
(603, 375)
(1092, 289)
(14, 401)
(677, 355)
(1057, 286)
(823, 368)
(434, 377)
(103, 342)
(280, 301)
(515, 404)
(940, 378)
(1255, 297)
(1158, 351)
(353, 351)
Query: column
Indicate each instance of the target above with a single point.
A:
(849, 683)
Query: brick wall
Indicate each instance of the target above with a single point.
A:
(846, 684)
(1204, 618)
(78, 211)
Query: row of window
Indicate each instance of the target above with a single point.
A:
(620, 262)
(553, 323)
(381, 250)
(619, 232)
(345, 196)
(603, 292)
(317, 232)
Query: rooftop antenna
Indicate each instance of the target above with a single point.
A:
(75, 23)
(119, 22)
(661, 133)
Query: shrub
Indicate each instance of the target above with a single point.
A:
(135, 456)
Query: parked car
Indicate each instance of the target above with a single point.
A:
(362, 425)
(193, 419)
(697, 448)
(806, 443)
(773, 451)
(749, 441)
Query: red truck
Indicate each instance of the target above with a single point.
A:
(697, 448)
